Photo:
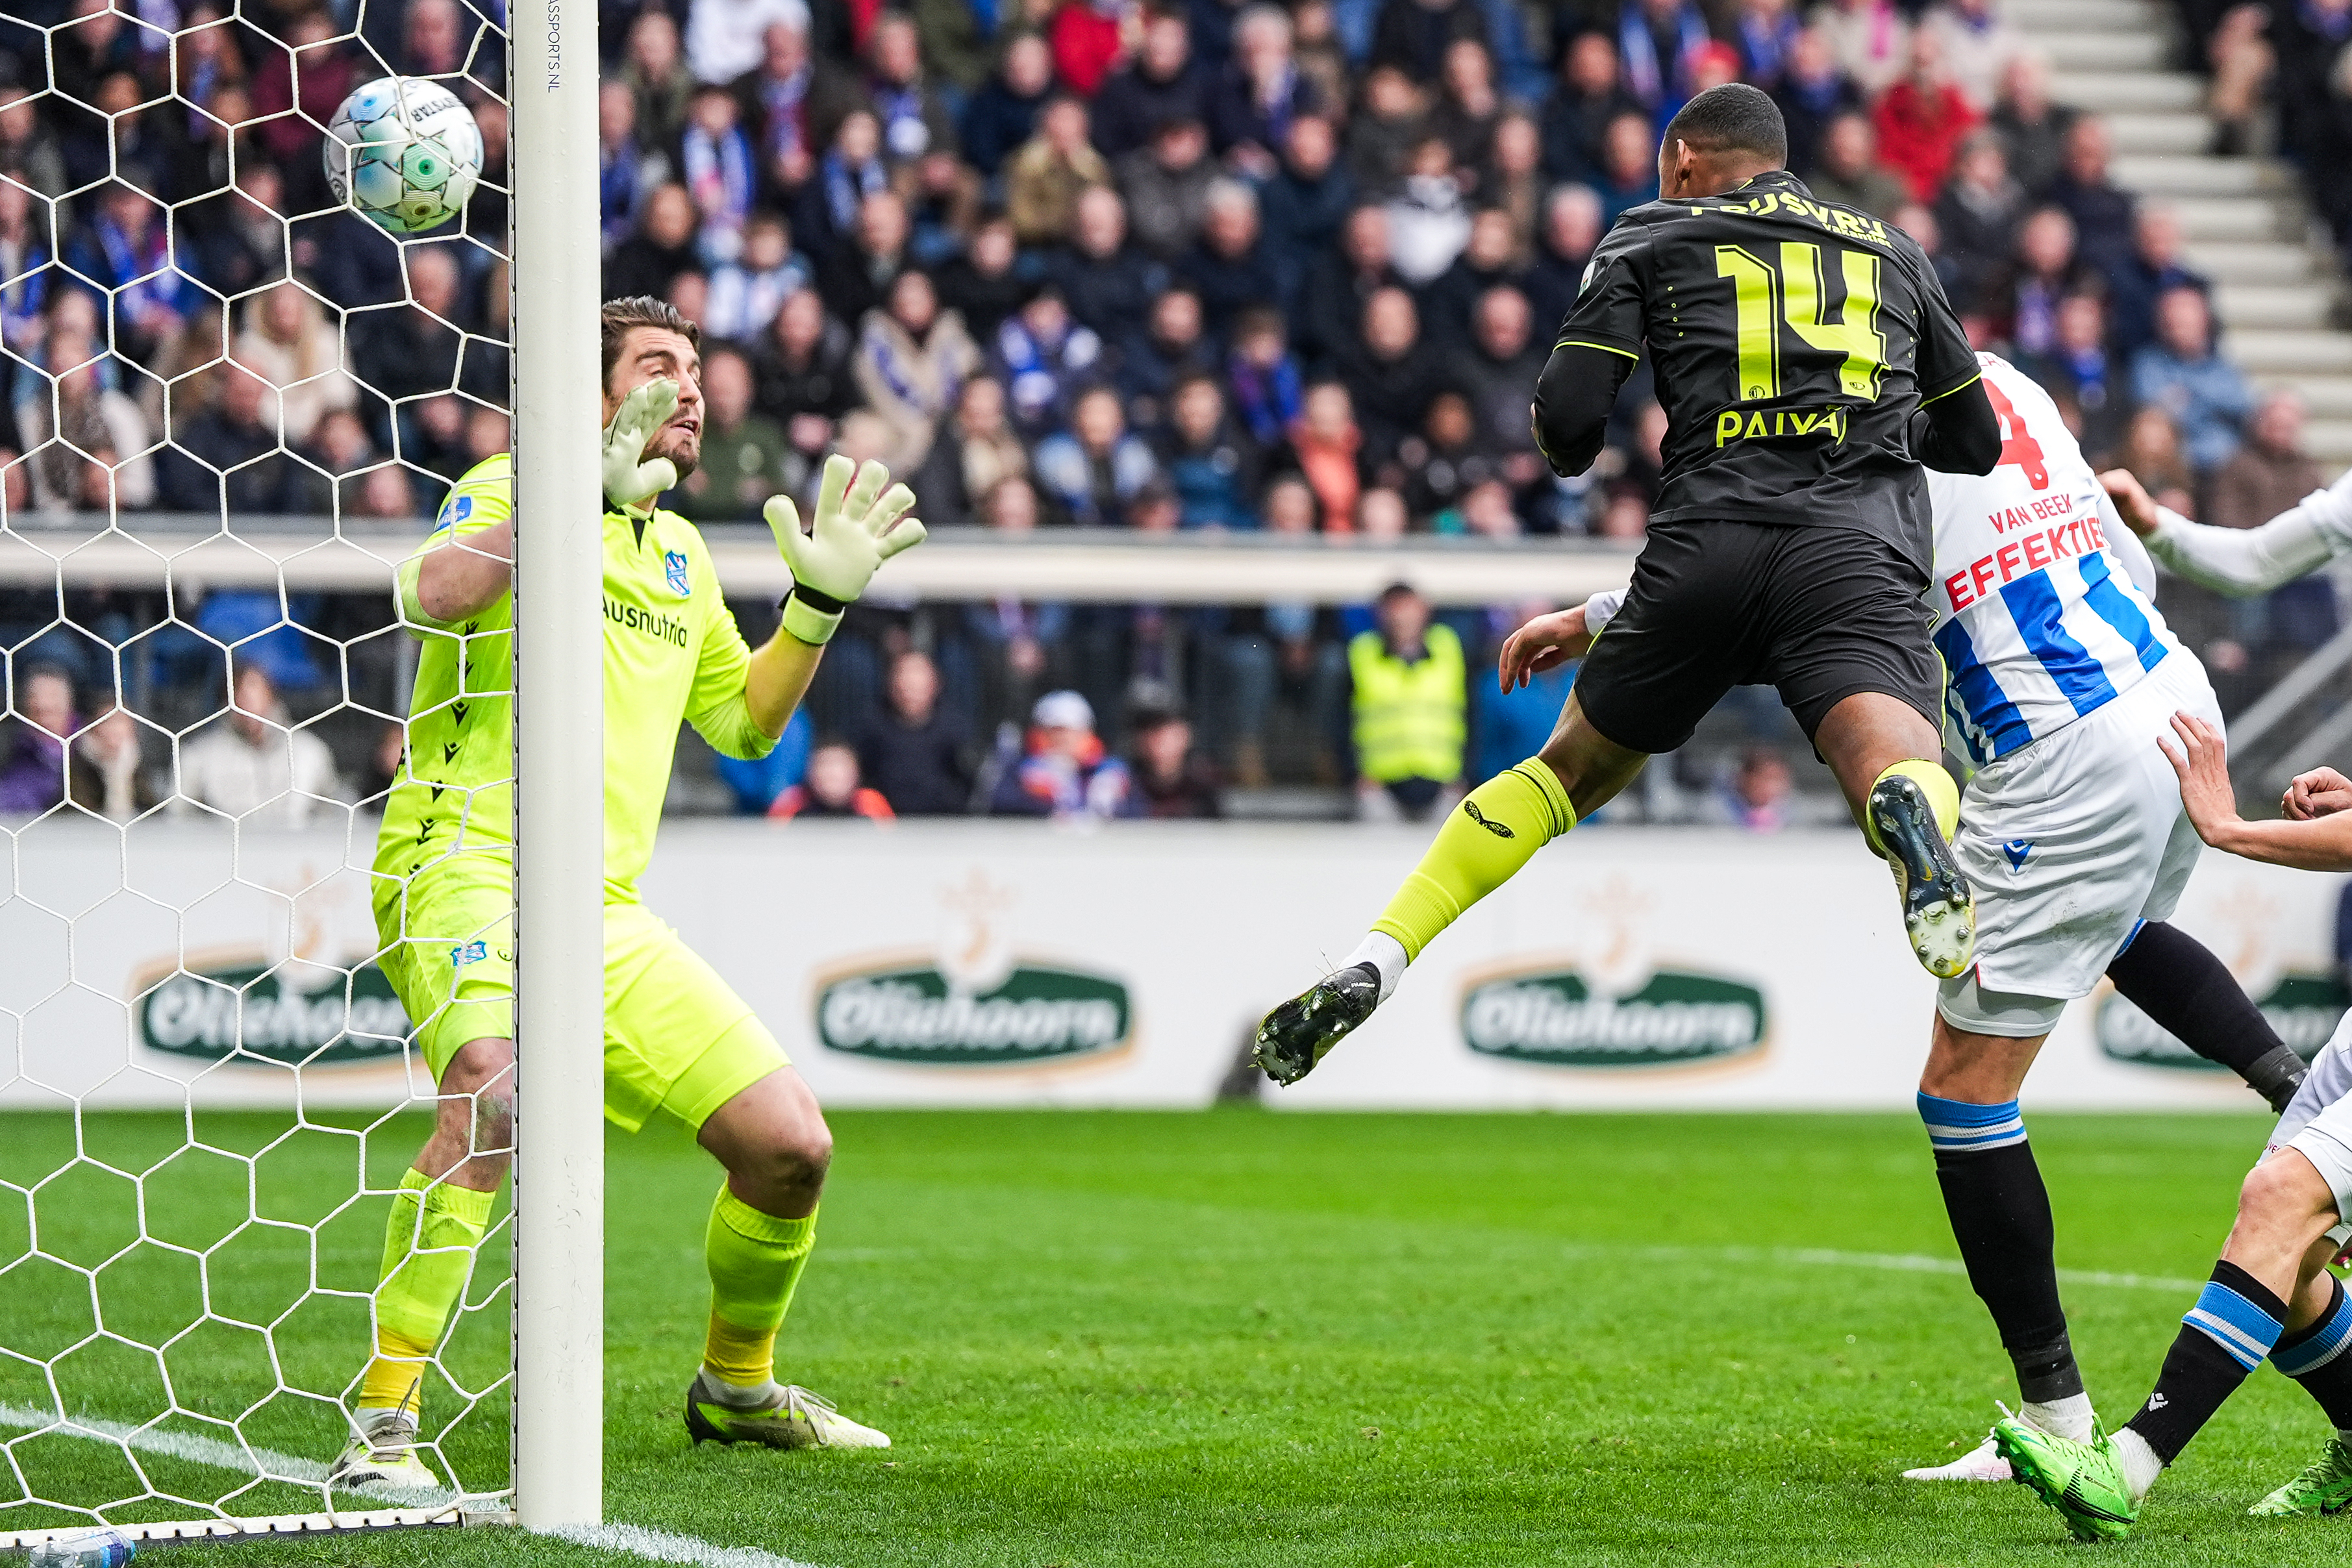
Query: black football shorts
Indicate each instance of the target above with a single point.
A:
(1819, 613)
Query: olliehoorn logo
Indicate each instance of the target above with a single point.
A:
(2303, 1008)
(974, 1003)
(252, 1011)
(1554, 1016)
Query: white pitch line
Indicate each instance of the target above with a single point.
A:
(661, 1546)
(637, 1541)
(1892, 1262)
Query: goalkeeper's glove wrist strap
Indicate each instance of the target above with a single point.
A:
(810, 616)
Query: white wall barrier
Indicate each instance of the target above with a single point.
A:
(1020, 964)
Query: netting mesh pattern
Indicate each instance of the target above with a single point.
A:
(230, 407)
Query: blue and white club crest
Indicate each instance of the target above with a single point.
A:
(674, 568)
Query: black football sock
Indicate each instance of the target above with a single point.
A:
(2225, 1336)
(2178, 982)
(2000, 1217)
(2315, 1357)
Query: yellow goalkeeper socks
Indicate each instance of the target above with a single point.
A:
(1483, 844)
(428, 1250)
(755, 1261)
(1943, 796)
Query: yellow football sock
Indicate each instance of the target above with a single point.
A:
(1943, 795)
(755, 1259)
(1482, 845)
(429, 1249)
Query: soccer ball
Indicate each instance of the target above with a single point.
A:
(405, 153)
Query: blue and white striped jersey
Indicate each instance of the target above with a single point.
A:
(2035, 617)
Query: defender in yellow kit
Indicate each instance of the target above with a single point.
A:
(677, 1037)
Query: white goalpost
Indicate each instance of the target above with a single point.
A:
(207, 1086)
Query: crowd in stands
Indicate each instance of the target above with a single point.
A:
(1144, 265)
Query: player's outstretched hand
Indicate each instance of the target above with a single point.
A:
(2132, 503)
(2203, 763)
(2322, 792)
(858, 527)
(630, 481)
(1545, 643)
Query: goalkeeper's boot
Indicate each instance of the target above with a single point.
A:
(2084, 1482)
(1299, 1033)
(785, 1416)
(1982, 1463)
(383, 1455)
(2325, 1486)
(1939, 915)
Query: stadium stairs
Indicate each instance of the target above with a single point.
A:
(2280, 289)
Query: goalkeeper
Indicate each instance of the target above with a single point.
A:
(676, 1037)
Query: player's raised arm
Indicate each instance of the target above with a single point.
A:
(2314, 843)
(2238, 561)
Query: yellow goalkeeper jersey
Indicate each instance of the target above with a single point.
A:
(671, 653)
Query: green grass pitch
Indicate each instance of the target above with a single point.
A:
(1254, 1338)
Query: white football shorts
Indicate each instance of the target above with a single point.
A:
(2070, 843)
(2318, 1121)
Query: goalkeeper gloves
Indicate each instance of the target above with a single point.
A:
(858, 528)
(629, 483)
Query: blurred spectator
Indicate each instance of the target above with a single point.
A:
(2103, 214)
(2024, 305)
(1849, 173)
(1468, 107)
(725, 39)
(746, 293)
(855, 277)
(1172, 348)
(1390, 120)
(1003, 114)
(1166, 183)
(1920, 224)
(1765, 32)
(654, 70)
(628, 169)
(662, 247)
(1658, 42)
(831, 787)
(1329, 448)
(253, 764)
(1212, 466)
(1488, 262)
(1262, 91)
(1043, 357)
(1503, 363)
(913, 113)
(1303, 205)
(2243, 64)
(289, 342)
(1429, 222)
(328, 73)
(913, 751)
(1513, 726)
(33, 744)
(1263, 377)
(911, 358)
(743, 453)
(1322, 57)
(29, 153)
(1629, 166)
(1044, 178)
(24, 274)
(2151, 450)
(107, 776)
(98, 455)
(1062, 772)
(1409, 706)
(956, 40)
(789, 104)
(715, 164)
(1978, 45)
(2205, 394)
(1095, 467)
(2083, 375)
(1811, 93)
(1978, 216)
(2031, 128)
(1412, 35)
(1922, 119)
(126, 250)
(851, 170)
(1578, 117)
(1380, 515)
(226, 457)
(1512, 182)
(2155, 264)
(1229, 268)
(2271, 473)
(1162, 83)
(802, 373)
(1441, 461)
(1871, 41)
(2311, 38)
(411, 350)
(1169, 779)
(1393, 373)
(1331, 306)
(1571, 228)
(985, 284)
(1760, 796)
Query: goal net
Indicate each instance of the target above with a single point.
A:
(232, 408)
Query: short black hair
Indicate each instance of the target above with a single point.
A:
(1733, 118)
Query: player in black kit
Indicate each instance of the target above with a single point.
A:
(1809, 364)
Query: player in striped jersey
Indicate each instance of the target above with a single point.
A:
(2060, 677)
(2271, 1296)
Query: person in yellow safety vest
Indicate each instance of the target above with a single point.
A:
(1409, 708)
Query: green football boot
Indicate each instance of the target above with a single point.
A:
(1299, 1033)
(787, 1417)
(2084, 1482)
(2324, 1487)
(1939, 912)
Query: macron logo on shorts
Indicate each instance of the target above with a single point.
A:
(466, 953)
(2017, 849)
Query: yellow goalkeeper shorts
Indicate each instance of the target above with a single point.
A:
(677, 1037)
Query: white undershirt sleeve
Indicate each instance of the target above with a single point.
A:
(2127, 547)
(2247, 561)
(1601, 609)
